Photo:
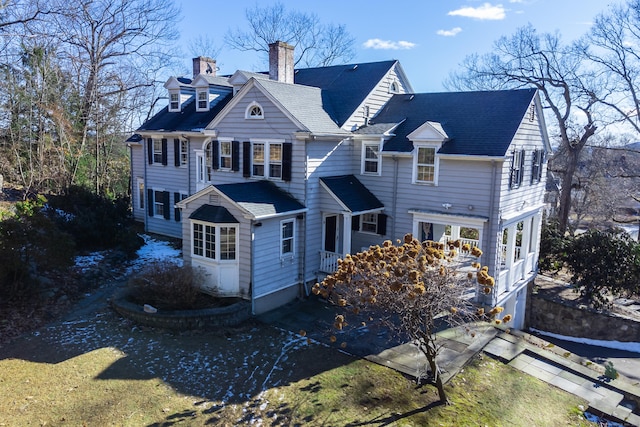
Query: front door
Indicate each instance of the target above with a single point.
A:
(331, 233)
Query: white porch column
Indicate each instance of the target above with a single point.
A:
(510, 255)
(525, 248)
(535, 237)
(346, 235)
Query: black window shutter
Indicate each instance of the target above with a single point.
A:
(150, 150)
(176, 210)
(164, 151)
(512, 178)
(287, 149)
(176, 151)
(235, 156)
(215, 155)
(167, 205)
(382, 224)
(150, 202)
(355, 223)
(246, 159)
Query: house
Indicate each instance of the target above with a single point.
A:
(273, 177)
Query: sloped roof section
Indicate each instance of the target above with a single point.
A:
(187, 119)
(217, 214)
(344, 87)
(352, 193)
(478, 123)
(260, 198)
(305, 103)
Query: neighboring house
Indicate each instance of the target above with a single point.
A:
(280, 175)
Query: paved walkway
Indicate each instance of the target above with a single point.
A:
(619, 399)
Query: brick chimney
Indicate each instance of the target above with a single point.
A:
(281, 62)
(204, 65)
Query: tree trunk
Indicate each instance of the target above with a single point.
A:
(565, 191)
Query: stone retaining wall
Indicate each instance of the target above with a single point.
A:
(550, 315)
(230, 315)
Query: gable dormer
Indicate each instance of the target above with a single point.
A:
(178, 94)
(203, 94)
(427, 140)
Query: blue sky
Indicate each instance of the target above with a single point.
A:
(429, 37)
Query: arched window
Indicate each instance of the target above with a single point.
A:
(394, 87)
(254, 111)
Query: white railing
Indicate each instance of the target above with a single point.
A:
(329, 261)
(471, 242)
(502, 255)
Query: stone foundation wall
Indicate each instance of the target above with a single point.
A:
(553, 316)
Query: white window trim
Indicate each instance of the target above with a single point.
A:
(394, 87)
(141, 190)
(206, 93)
(220, 156)
(184, 153)
(360, 227)
(247, 113)
(436, 165)
(157, 152)
(292, 238)
(155, 203)
(364, 160)
(267, 161)
(175, 92)
(217, 252)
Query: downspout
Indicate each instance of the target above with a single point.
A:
(394, 199)
(303, 267)
(492, 205)
(251, 269)
(146, 183)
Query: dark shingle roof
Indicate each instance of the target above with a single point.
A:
(210, 213)
(344, 87)
(352, 193)
(260, 198)
(477, 123)
(187, 119)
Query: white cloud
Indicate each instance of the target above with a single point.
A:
(449, 33)
(388, 44)
(485, 12)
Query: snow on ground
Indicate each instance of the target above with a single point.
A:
(151, 250)
(618, 345)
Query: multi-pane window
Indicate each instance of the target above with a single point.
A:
(536, 166)
(203, 100)
(426, 164)
(157, 151)
(369, 223)
(184, 152)
(225, 155)
(174, 101)
(216, 242)
(254, 111)
(198, 239)
(287, 237)
(227, 243)
(371, 159)
(275, 160)
(158, 203)
(266, 160)
(141, 193)
(517, 169)
(258, 159)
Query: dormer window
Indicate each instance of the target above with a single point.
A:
(425, 165)
(174, 101)
(203, 100)
(254, 111)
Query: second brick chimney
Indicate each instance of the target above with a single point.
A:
(204, 65)
(281, 62)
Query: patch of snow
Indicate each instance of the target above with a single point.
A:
(618, 345)
(84, 262)
(156, 250)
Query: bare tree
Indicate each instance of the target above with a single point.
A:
(558, 71)
(316, 44)
(113, 50)
(612, 47)
(410, 288)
